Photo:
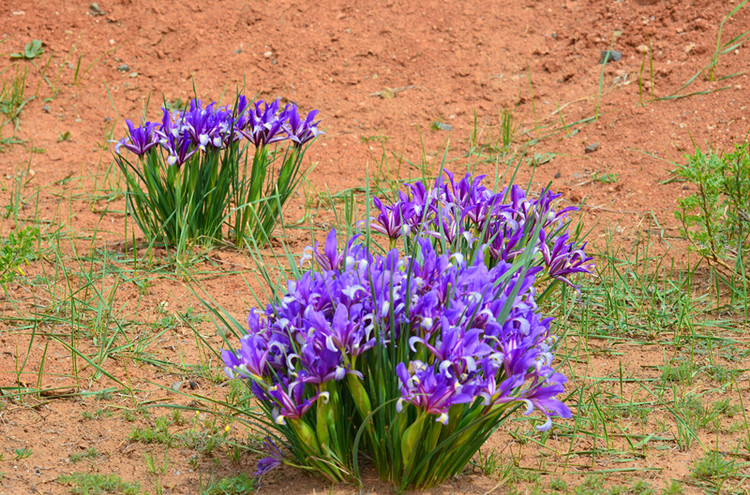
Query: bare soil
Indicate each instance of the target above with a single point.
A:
(383, 75)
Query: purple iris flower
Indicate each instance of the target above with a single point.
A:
(180, 149)
(299, 131)
(319, 363)
(504, 243)
(250, 361)
(456, 351)
(495, 391)
(565, 258)
(544, 399)
(433, 392)
(446, 226)
(290, 401)
(349, 331)
(175, 139)
(272, 461)
(207, 127)
(330, 258)
(140, 139)
(241, 118)
(167, 126)
(547, 215)
(392, 221)
(468, 193)
(266, 124)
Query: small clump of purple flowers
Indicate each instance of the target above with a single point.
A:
(190, 176)
(420, 353)
(197, 128)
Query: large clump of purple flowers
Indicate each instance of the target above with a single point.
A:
(414, 357)
(191, 178)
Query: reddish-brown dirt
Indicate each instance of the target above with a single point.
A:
(378, 72)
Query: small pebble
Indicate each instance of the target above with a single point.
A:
(558, 175)
(133, 74)
(642, 49)
(443, 126)
(591, 148)
(609, 56)
(46, 109)
(193, 385)
(123, 67)
(268, 54)
(96, 10)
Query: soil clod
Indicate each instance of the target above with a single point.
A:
(609, 56)
(591, 148)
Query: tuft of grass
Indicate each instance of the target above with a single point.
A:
(16, 188)
(673, 488)
(375, 138)
(714, 468)
(640, 487)
(89, 454)
(97, 484)
(592, 485)
(709, 70)
(539, 159)
(605, 178)
(97, 414)
(12, 99)
(682, 372)
(159, 433)
(558, 485)
(509, 129)
(720, 373)
(729, 46)
(204, 436)
(639, 295)
(233, 485)
(487, 463)
(641, 82)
